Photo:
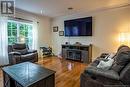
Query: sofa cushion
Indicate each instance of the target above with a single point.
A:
(122, 48)
(121, 60)
(99, 72)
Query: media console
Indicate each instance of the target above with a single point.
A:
(82, 53)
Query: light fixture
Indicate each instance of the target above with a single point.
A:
(21, 39)
(124, 38)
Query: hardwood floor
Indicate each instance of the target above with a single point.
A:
(67, 72)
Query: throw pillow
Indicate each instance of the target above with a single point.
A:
(111, 55)
(105, 65)
(121, 60)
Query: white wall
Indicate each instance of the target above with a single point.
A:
(107, 25)
(44, 27)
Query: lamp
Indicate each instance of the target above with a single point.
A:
(21, 39)
(124, 38)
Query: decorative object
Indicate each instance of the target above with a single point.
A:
(61, 33)
(55, 29)
(67, 43)
(78, 43)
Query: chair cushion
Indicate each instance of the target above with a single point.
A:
(105, 73)
(23, 51)
(32, 51)
(121, 60)
(19, 46)
(27, 57)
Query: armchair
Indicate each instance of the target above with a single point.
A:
(20, 53)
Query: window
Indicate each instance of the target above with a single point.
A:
(18, 30)
(12, 32)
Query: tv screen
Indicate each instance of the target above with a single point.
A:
(78, 27)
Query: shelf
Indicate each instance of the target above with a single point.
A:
(81, 53)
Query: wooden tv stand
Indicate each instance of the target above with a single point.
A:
(82, 53)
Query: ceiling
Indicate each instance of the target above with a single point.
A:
(54, 8)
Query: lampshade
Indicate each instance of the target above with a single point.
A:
(124, 38)
(22, 39)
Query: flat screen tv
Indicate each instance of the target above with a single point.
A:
(78, 27)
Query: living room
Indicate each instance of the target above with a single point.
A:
(45, 24)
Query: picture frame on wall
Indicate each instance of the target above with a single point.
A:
(61, 33)
(55, 29)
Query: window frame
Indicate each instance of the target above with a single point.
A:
(18, 24)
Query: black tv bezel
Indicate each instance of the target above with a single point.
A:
(79, 35)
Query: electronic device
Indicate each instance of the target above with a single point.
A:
(78, 27)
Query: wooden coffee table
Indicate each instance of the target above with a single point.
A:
(28, 75)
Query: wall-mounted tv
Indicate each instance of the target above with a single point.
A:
(78, 27)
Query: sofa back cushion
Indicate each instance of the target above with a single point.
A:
(121, 60)
(123, 48)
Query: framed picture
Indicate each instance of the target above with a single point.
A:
(55, 29)
(61, 33)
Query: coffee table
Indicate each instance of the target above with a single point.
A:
(28, 74)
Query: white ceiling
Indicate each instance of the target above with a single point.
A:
(54, 8)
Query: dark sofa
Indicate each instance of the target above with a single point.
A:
(20, 53)
(117, 76)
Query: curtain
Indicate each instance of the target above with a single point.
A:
(3, 41)
(35, 36)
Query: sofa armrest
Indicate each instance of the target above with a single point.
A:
(87, 81)
(32, 51)
(111, 74)
(14, 53)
